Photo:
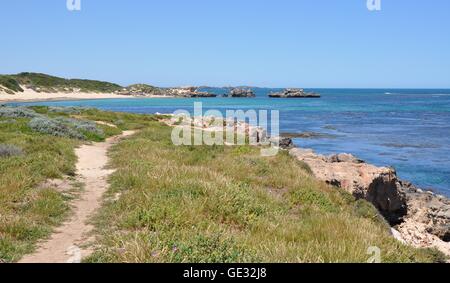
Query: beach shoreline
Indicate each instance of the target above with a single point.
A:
(46, 97)
(29, 95)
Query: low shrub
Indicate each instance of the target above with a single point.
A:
(81, 125)
(55, 128)
(18, 112)
(7, 150)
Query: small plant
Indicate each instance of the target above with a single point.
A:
(54, 128)
(315, 198)
(7, 150)
(81, 125)
(18, 112)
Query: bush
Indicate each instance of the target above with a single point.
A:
(18, 112)
(54, 128)
(81, 125)
(7, 150)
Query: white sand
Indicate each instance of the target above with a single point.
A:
(31, 95)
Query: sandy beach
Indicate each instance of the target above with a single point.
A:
(29, 95)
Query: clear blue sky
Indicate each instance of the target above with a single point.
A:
(280, 43)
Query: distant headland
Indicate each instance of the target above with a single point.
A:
(37, 86)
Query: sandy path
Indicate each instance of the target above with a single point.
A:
(66, 243)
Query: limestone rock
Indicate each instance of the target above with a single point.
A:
(188, 92)
(282, 142)
(421, 218)
(294, 93)
(362, 180)
(241, 92)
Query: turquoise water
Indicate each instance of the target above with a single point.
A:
(406, 129)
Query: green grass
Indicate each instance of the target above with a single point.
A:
(28, 213)
(229, 204)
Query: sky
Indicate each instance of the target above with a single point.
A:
(271, 43)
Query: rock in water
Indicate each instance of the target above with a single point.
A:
(241, 92)
(189, 92)
(294, 93)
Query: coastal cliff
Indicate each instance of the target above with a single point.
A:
(420, 218)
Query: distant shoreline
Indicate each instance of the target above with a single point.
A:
(49, 97)
(70, 99)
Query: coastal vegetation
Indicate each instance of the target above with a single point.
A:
(42, 83)
(229, 204)
(180, 204)
(46, 83)
(29, 156)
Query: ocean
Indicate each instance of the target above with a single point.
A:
(408, 129)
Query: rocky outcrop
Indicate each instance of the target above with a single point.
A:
(241, 92)
(294, 93)
(189, 92)
(344, 157)
(421, 218)
(426, 210)
(362, 180)
(142, 90)
(282, 142)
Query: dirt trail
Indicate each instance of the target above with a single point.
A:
(66, 243)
